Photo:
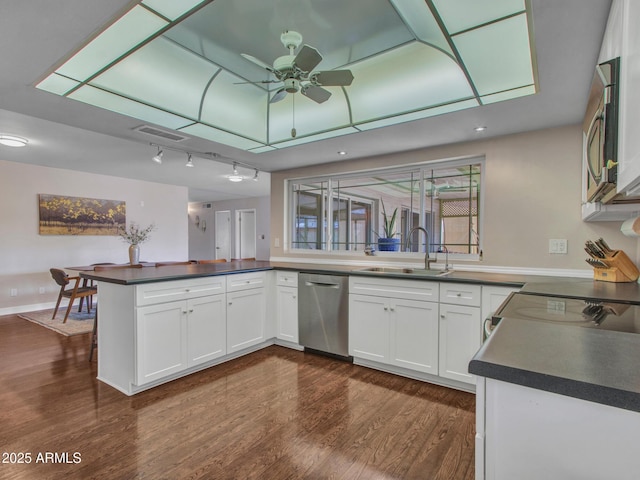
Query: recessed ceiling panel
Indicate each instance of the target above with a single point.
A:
(220, 136)
(170, 8)
(461, 15)
(494, 64)
(135, 27)
(307, 116)
(409, 78)
(118, 104)
(237, 108)
(161, 74)
(186, 65)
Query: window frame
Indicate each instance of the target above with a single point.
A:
(327, 236)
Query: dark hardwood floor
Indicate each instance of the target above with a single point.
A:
(275, 414)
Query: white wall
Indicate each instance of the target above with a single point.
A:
(202, 244)
(26, 256)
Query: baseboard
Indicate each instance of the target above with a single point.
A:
(28, 308)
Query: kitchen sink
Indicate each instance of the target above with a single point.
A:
(407, 271)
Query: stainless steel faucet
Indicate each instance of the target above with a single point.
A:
(427, 260)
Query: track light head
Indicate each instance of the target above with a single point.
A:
(189, 161)
(158, 156)
(235, 177)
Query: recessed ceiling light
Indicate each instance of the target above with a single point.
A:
(13, 141)
(480, 129)
(342, 152)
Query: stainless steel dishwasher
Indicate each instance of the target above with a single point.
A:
(323, 313)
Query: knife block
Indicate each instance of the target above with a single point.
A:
(620, 268)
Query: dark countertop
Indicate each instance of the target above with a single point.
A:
(595, 365)
(150, 274)
(586, 288)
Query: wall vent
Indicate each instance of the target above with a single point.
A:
(156, 132)
(206, 205)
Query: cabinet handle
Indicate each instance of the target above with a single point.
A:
(442, 316)
(191, 311)
(386, 309)
(294, 296)
(248, 281)
(230, 303)
(187, 290)
(184, 312)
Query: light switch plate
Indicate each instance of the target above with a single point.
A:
(558, 246)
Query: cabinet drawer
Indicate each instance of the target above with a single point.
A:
(287, 279)
(162, 292)
(395, 288)
(460, 294)
(245, 281)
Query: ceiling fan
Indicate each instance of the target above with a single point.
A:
(296, 71)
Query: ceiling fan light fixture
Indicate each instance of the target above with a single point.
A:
(13, 141)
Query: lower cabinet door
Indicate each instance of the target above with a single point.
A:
(287, 311)
(369, 327)
(206, 329)
(246, 319)
(161, 341)
(460, 339)
(414, 335)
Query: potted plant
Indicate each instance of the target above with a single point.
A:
(134, 236)
(389, 242)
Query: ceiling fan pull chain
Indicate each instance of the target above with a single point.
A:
(293, 114)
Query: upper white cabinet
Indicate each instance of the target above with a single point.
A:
(627, 13)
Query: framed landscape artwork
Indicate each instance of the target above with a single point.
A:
(62, 215)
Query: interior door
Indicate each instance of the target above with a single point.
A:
(223, 234)
(246, 233)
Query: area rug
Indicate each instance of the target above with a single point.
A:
(77, 323)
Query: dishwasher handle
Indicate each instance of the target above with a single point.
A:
(321, 284)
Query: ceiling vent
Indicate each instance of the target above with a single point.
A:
(156, 132)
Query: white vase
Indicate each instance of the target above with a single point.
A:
(134, 254)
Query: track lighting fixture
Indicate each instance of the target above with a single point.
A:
(189, 161)
(255, 177)
(235, 177)
(158, 157)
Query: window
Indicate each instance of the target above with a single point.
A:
(346, 212)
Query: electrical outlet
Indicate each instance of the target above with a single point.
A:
(558, 246)
(14, 292)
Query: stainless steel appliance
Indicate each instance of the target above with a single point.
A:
(600, 128)
(575, 312)
(323, 313)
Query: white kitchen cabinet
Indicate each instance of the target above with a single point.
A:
(369, 327)
(460, 330)
(161, 341)
(627, 13)
(173, 336)
(206, 329)
(530, 434)
(286, 308)
(391, 329)
(287, 312)
(414, 335)
(246, 311)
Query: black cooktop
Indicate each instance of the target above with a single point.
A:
(603, 315)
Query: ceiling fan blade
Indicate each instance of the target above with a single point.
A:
(315, 93)
(258, 62)
(279, 95)
(333, 78)
(307, 59)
